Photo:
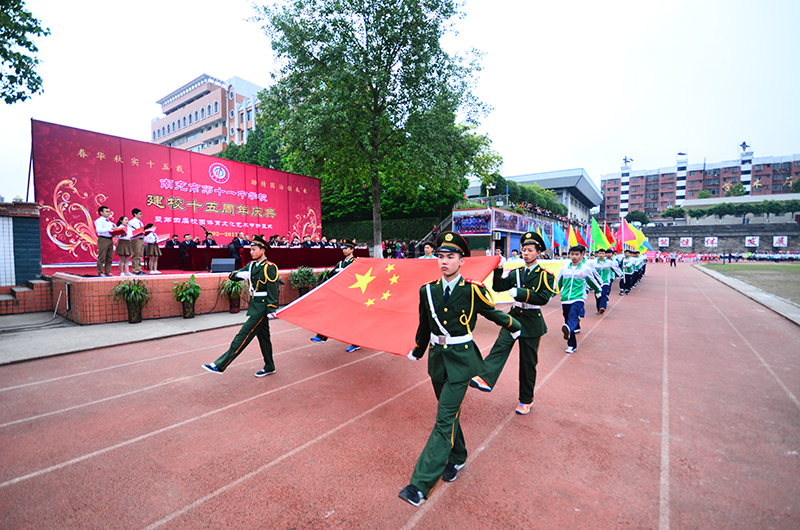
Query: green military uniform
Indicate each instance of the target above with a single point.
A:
(445, 329)
(534, 288)
(263, 277)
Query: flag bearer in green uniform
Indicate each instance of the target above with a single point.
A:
(263, 277)
(348, 247)
(531, 287)
(448, 310)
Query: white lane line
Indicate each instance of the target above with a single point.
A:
(173, 426)
(123, 365)
(442, 487)
(284, 456)
(132, 392)
(777, 379)
(664, 484)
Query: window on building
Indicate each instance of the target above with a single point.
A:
(216, 107)
(714, 192)
(163, 132)
(712, 182)
(652, 178)
(173, 127)
(168, 128)
(230, 94)
(154, 135)
(233, 132)
(249, 115)
(231, 114)
(184, 121)
(651, 187)
(735, 170)
(195, 116)
(691, 194)
(190, 118)
(202, 113)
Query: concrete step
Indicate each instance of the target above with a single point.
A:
(17, 291)
(6, 298)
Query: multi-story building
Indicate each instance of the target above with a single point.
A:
(206, 114)
(654, 190)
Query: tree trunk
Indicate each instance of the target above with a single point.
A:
(376, 217)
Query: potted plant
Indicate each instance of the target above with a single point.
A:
(187, 294)
(303, 279)
(233, 291)
(135, 294)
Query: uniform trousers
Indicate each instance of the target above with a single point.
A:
(446, 441)
(137, 245)
(602, 300)
(572, 320)
(528, 359)
(105, 255)
(254, 326)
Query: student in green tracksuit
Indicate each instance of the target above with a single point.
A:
(263, 277)
(531, 287)
(448, 310)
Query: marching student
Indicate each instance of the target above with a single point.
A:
(448, 311)
(124, 247)
(607, 270)
(263, 278)
(151, 250)
(627, 265)
(531, 287)
(573, 279)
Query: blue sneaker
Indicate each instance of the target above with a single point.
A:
(317, 340)
(212, 368)
(262, 373)
(352, 348)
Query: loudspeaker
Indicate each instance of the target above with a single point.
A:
(223, 264)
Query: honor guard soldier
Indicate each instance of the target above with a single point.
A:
(348, 248)
(263, 278)
(448, 310)
(531, 287)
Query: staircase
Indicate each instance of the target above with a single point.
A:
(35, 296)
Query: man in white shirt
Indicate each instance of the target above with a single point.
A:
(105, 246)
(137, 241)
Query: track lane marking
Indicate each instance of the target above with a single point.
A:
(664, 483)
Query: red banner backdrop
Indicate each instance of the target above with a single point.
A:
(77, 171)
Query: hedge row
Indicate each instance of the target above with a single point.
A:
(396, 229)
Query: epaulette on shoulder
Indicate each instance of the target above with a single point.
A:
(473, 282)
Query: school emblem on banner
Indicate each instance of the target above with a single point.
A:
(711, 241)
(780, 241)
(663, 241)
(686, 241)
(751, 241)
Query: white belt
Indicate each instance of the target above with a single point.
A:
(523, 305)
(259, 294)
(447, 339)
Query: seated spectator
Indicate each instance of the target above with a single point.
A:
(209, 240)
(186, 244)
(174, 242)
(307, 242)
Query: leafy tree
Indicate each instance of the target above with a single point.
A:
(703, 194)
(637, 215)
(737, 190)
(261, 148)
(796, 186)
(674, 212)
(18, 77)
(366, 95)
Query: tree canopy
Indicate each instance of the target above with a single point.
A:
(637, 215)
(262, 148)
(366, 97)
(18, 77)
(673, 212)
(703, 194)
(533, 194)
(737, 190)
(768, 207)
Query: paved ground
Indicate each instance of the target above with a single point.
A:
(678, 410)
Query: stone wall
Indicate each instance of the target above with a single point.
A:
(731, 237)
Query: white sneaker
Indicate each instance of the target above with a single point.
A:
(156, 272)
(153, 272)
(570, 349)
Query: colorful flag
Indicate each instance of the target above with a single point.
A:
(542, 232)
(559, 237)
(374, 303)
(575, 238)
(597, 235)
(609, 236)
(637, 237)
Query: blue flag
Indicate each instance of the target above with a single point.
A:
(559, 237)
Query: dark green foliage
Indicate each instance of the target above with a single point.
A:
(637, 215)
(673, 212)
(519, 193)
(261, 148)
(703, 194)
(18, 77)
(135, 293)
(188, 291)
(737, 190)
(768, 207)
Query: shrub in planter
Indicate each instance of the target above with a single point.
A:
(303, 279)
(233, 291)
(136, 296)
(187, 294)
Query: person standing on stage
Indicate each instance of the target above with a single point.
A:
(105, 244)
(137, 241)
(607, 270)
(124, 247)
(348, 248)
(573, 278)
(151, 250)
(263, 278)
(531, 287)
(448, 311)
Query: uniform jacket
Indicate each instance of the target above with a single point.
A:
(535, 288)
(455, 362)
(263, 279)
(573, 281)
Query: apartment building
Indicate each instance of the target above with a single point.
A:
(206, 114)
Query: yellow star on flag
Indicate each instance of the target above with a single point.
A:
(389, 268)
(393, 279)
(362, 280)
(386, 295)
(369, 302)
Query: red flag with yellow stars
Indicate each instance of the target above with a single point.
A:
(374, 303)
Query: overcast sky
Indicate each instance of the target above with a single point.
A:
(572, 84)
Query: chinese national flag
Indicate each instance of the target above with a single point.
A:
(374, 303)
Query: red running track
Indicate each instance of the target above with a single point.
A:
(678, 410)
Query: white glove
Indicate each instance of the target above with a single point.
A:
(513, 292)
(516, 335)
(243, 275)
(597, 294)
(272, 316)
(411, 356)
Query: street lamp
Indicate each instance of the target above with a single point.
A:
(489, 187)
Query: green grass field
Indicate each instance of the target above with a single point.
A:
(782, 280)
